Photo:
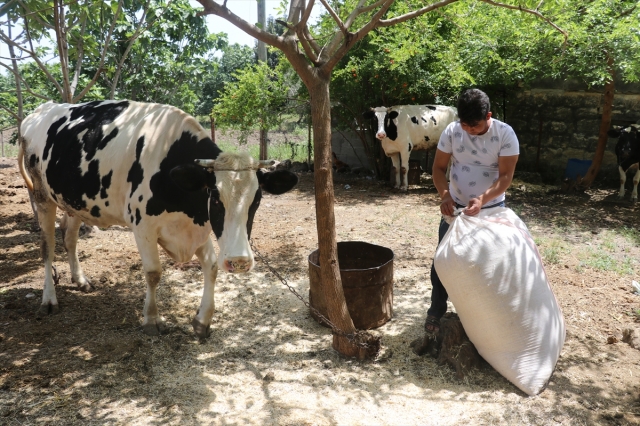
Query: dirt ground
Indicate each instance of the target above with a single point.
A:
(268, 362)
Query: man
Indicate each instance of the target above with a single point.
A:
(485, 152)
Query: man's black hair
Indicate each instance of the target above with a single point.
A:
(473, 106)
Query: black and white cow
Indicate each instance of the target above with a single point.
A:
(628, 155)
(404, 128)
(152, 168)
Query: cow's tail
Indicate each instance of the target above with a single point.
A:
(23, 171)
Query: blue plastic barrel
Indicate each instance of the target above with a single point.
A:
(576, 167)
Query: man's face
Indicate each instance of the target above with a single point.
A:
(477, 128)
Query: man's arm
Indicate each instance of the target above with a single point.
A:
(439, 175)
(506, 168)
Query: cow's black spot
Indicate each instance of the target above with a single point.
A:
(140, 198)
(138, 216)
(166, 194)
(93, 141)
(106, 183)
(426, 138)
(129, 208)
(131, 219)
(65, 147)
(390, 128)
(106, 203)
(32, 160)
(136, 174)
(410, 146)
(431, 107)
(423, 119)
(95, 211)
(414, 120)
(434, 120)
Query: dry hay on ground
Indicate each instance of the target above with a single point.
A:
(268, 362)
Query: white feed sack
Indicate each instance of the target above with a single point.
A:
(494, 276)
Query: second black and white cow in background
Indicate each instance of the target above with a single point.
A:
(628, 155)
(404, 128)
(154, 169)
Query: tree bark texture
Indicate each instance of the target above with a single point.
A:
(325, 219)
(605, 124)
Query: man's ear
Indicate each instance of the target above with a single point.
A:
(191, 177)
(277, 182)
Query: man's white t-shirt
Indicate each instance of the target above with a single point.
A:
(475, 159)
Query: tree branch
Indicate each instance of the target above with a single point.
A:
(415, 13)
(533, 12)
(80, 49)
(335, 16)
(133, 38)
(365, 9)
(10, 112)
(33, 55)
(353, 38)
(19, 78)
(213, 8)
(102, 56)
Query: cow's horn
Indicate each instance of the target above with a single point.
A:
(208, 163)
(266, 163)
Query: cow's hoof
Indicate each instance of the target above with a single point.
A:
(84, 285)
(47, 309)
(201, 330)
(154, 329)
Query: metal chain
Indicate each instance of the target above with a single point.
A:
(357, 339)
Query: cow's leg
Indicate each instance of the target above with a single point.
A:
(395, 160)
(47, 219)
(404, 170)
(69, 225)
(636, 179)
(207, 257)
(153, 324)
(623, 180)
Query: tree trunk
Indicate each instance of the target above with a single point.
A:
(605, 124)
(325, 219)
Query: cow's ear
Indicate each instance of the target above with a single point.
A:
(614, 132)
(277, 182)
(368, 114)
(192, 177)
(393, 114)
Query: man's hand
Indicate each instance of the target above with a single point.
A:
(447, 205)
(473, 208)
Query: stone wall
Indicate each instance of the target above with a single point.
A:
(554, 125)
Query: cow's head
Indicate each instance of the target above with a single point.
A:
(387, 123)
(235, 184)
(628, 142)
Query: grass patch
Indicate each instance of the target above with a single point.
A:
(630, 234)
(601, 260)
(551, 249)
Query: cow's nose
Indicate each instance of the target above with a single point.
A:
(381, 135)
(238, 264)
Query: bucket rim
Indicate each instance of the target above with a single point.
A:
(393, 255)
